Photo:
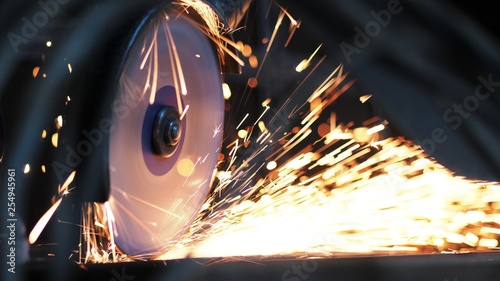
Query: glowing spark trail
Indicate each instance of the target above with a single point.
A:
(40, 225)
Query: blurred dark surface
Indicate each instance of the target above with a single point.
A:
(466, 267)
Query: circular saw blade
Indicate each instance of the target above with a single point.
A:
(154, 199)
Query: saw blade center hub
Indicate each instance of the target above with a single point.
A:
(173, 133)
(167, 131)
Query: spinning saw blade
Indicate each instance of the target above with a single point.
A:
(166, 136)
(148, 148)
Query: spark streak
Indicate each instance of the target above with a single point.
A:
(40, 225)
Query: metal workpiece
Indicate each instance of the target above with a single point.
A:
(465, 267)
